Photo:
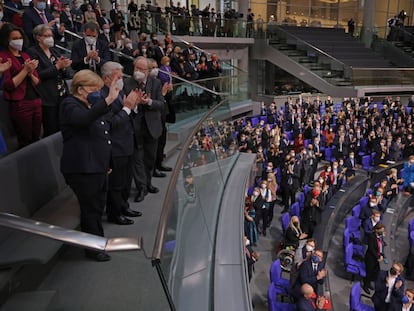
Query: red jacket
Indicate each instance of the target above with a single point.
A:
(10, 92)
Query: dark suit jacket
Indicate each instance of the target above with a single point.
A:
(398, 307)
(48, 75)
(31, 19)
(79, 53)
(311, 213)
(122, 131)
(307, 275)
(350, 168)
(150, 114)
(381, 290)
(305, 305)
(10, 92)
(86, 138)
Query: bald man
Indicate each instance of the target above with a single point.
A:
(309, 301)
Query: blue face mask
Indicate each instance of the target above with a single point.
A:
(93, 97)
(41, 6)
(405, 299)
(315, 259)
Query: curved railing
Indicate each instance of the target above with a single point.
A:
(184, 247)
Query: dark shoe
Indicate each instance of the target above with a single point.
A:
(366, 289)
(157, 173)
(98, 256)
(120, 220)
(131, 213)
(152, 189)
(164, 168)
(139, 197)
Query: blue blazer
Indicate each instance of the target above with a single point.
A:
(86, 138)
(79, 53)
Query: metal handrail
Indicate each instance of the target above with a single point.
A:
(72, 237)
(310, 45)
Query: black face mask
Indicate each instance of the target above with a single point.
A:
(393, 271)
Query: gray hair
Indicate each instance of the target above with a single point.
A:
(39, 30)
(108, 67)
(141, 58)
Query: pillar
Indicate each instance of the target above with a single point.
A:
(368, 27)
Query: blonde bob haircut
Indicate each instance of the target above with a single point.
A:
(85, 77)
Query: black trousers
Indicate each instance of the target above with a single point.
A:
(261, 213)
(118, 188)
(90, 189)
(144, 157)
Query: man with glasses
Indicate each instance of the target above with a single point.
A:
(389, 287)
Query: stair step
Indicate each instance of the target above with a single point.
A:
(295, 53)
(29, 301)
(285, 47)
(307, 60)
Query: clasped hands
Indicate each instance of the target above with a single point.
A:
(93, 55)
(63, 63)
(30, 65)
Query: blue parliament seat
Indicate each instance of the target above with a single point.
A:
(355, 303)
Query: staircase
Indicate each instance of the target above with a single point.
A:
(332, 61)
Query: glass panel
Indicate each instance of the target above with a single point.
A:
(188, 258)
(392, 76)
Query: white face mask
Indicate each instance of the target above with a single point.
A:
(372, 204)
(139, 76)
(49, 42)
(247, 242)
(167, 64)
(264, 186)
(129, 46)
(90, 40)
(255, 193)
(309, 248)
(16, 44)
(144, 50)
(154, 73)
(377, 219)
(119, 84)
(106, 31)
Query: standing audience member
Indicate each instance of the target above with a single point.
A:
(389, 288)
(147, 126)
(374, 256)
(90, 52)
(35, 15)
(250, 228)
(52, 72)
(408, 176)
(86, 155)
(20, 86)
(122, 139)
(406, 303)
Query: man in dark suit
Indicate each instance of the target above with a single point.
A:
(407, 302)
(122, 137)
(351, 165)
(312, 211)
(313, 272)
(381, 153)
(309, 301)
(37, 14)
(90, 52)
(389, 288)
(107, 37)
(291, 175)
(147, 125)
(373, 256)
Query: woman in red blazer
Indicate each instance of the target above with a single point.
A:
(19, 86)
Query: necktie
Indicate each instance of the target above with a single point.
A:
(43, 17)
(92, 64)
